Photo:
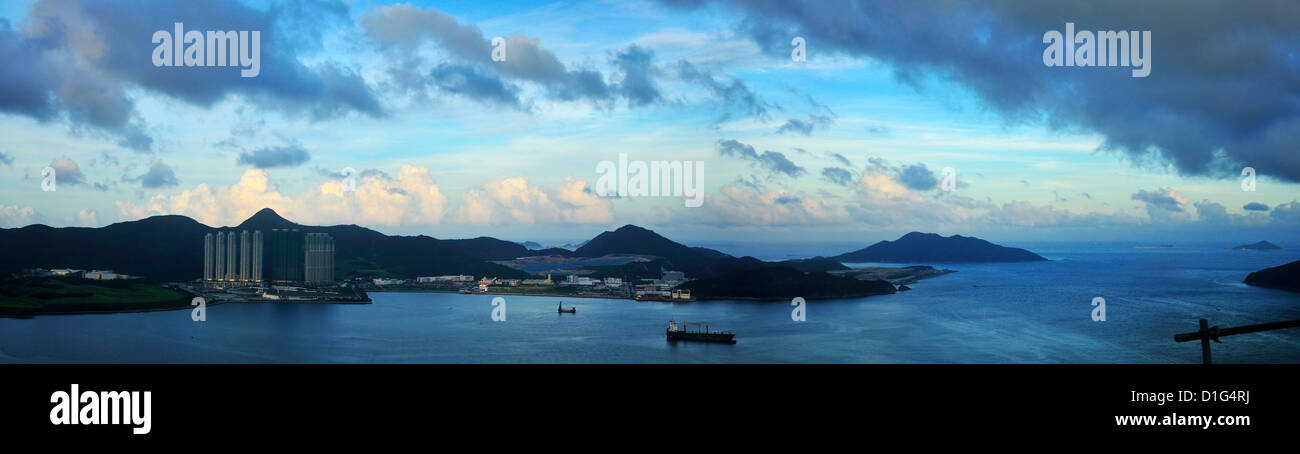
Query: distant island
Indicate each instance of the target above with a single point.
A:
(1285, 277)
(1260, 246)
(917, 247)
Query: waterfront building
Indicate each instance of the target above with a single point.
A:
(318, 263)
(286, 256)
(207, 257)
(245, 256)
(219, 257)
(232, 256)
(257, 257)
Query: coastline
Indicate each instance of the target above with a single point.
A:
(550, 295)
(187, 306)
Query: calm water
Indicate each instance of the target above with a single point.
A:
(986, 313)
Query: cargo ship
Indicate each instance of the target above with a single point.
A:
(681, 332)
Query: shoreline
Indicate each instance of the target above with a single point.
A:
(549, 295)
(188, 306)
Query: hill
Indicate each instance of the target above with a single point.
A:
(919, 247)
(1285, 277)
(1260, 246)
(170, 248)
(784, 283)
(630, 239)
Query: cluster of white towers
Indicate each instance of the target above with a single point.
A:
(232, 256)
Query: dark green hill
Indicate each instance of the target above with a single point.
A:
(783, 283)
(1285, 277)
(170, 248)
(630, 239)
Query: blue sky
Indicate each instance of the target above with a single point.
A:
(849, 144)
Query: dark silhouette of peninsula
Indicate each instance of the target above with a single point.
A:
(784, 283)
(1285, 277)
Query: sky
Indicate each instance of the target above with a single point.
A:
(900, 116)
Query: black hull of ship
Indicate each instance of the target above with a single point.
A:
(721, 338)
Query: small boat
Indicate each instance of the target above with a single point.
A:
(571, 310)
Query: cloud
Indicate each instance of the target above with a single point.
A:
(842, 177)
(470, 82)
(269, 157)
(636, 65)
(820, 118)
(1255, 206)
(158, 176)
(1181, 114)
(1212, 212)
(411, 198)
(748, 207)
(512, 200)
(402, 29)
(67, 172)
(1165, 204)
(15, 216)
(736, 98)
(804, 127)
(1287, 213)
(918, 177)
(83, 58)
(1161, 199)
(6, 159)
(770, 160)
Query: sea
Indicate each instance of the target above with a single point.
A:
(1040, 312)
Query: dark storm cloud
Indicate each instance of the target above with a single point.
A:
(770, 160)
(1255, 206)
(284, 156)
(80, 57)
(1221, 93)
(158, 176)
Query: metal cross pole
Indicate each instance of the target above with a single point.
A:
(1208, 333)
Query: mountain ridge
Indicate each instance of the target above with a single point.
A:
(918, 247)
